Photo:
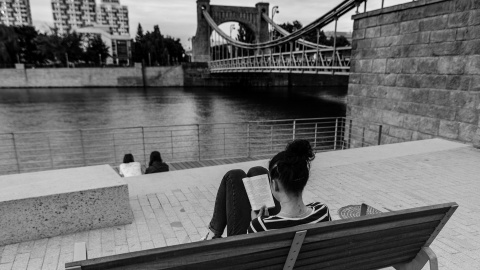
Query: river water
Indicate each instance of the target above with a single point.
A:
(60, 109)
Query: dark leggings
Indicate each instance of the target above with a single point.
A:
(232, 207)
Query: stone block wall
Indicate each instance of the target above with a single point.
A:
(416, 71)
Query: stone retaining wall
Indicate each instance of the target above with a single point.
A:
(91, 77)
(416, 71)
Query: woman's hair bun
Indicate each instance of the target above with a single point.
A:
(300, 149)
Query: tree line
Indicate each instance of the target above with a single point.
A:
(25, 44)
(154, 49)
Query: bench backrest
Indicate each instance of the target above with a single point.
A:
(368, 242)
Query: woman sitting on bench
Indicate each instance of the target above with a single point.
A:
(289, 173)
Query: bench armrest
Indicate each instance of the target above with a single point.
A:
(426, 254)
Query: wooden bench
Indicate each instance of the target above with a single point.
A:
(400, 239)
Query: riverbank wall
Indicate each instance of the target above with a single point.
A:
(91, 77)
(186, 75)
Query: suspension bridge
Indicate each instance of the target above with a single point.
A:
(290, 53)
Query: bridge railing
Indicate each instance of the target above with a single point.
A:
(22, 152)
(324, 61)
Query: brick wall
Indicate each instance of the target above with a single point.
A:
(416, 71)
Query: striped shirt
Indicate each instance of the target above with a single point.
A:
(320, 213)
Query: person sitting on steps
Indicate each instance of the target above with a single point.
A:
(129, 167)
(289, 173)
(156, 164)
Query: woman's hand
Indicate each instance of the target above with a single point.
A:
(263, 212)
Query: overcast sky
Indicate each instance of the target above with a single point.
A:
(178, 18)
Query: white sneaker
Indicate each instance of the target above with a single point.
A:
(206, 237)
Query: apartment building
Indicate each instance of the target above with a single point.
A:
(72, 14)
(15, 12)
(115, 15)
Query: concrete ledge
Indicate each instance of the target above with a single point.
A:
(51, 203)
(152, 183)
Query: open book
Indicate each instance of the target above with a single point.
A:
(258, 191)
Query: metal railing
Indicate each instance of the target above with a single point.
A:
(38, 151)
(324, 61)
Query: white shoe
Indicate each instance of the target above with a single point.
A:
(206, 237)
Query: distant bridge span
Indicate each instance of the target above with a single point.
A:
(289, 53)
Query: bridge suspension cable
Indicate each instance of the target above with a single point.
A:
(332, 15)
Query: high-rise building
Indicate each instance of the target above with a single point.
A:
(113, 14)
(72, 14)
(15, 12)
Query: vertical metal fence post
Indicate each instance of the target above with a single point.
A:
(144, 147)
(380, 135)
(363, 137)
(198, 142)
(350, 133)
(383, 2)
(171, 142)
(50, 150)
(315, 140)
(335, 135)
(294, 127)
(248, 139)
(16, 152)
(271, 138)
(114, 149)
(83, 148)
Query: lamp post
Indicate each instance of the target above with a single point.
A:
(274, 11)
(232, 27)
(230, 48)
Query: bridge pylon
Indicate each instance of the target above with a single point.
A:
(250, 17)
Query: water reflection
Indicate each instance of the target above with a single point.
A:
(54, 109)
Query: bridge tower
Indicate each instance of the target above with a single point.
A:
(251, 17)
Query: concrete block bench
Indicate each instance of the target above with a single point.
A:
(45, 204)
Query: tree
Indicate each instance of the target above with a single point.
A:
(28, 51)
(57, 48)
(154, 47)
(140, 34)
(72, 43)
(96, 51)
(245, 34)
(8, 45)
(175, 49)
(138, 50)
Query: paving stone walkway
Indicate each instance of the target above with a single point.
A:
(377, 176)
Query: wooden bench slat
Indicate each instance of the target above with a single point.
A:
(354, 262)
(367, 264)
(327, 257)
(317, 235)
(391, 234)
